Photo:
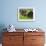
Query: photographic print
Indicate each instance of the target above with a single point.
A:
(26, 14)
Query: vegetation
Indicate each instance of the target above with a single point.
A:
(26, 13)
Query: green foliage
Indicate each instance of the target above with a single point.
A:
(26, 13)
(24, 17)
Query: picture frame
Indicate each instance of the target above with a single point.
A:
(26, 14)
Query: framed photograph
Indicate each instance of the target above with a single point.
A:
(26, 14)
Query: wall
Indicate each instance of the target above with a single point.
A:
(9, 13)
